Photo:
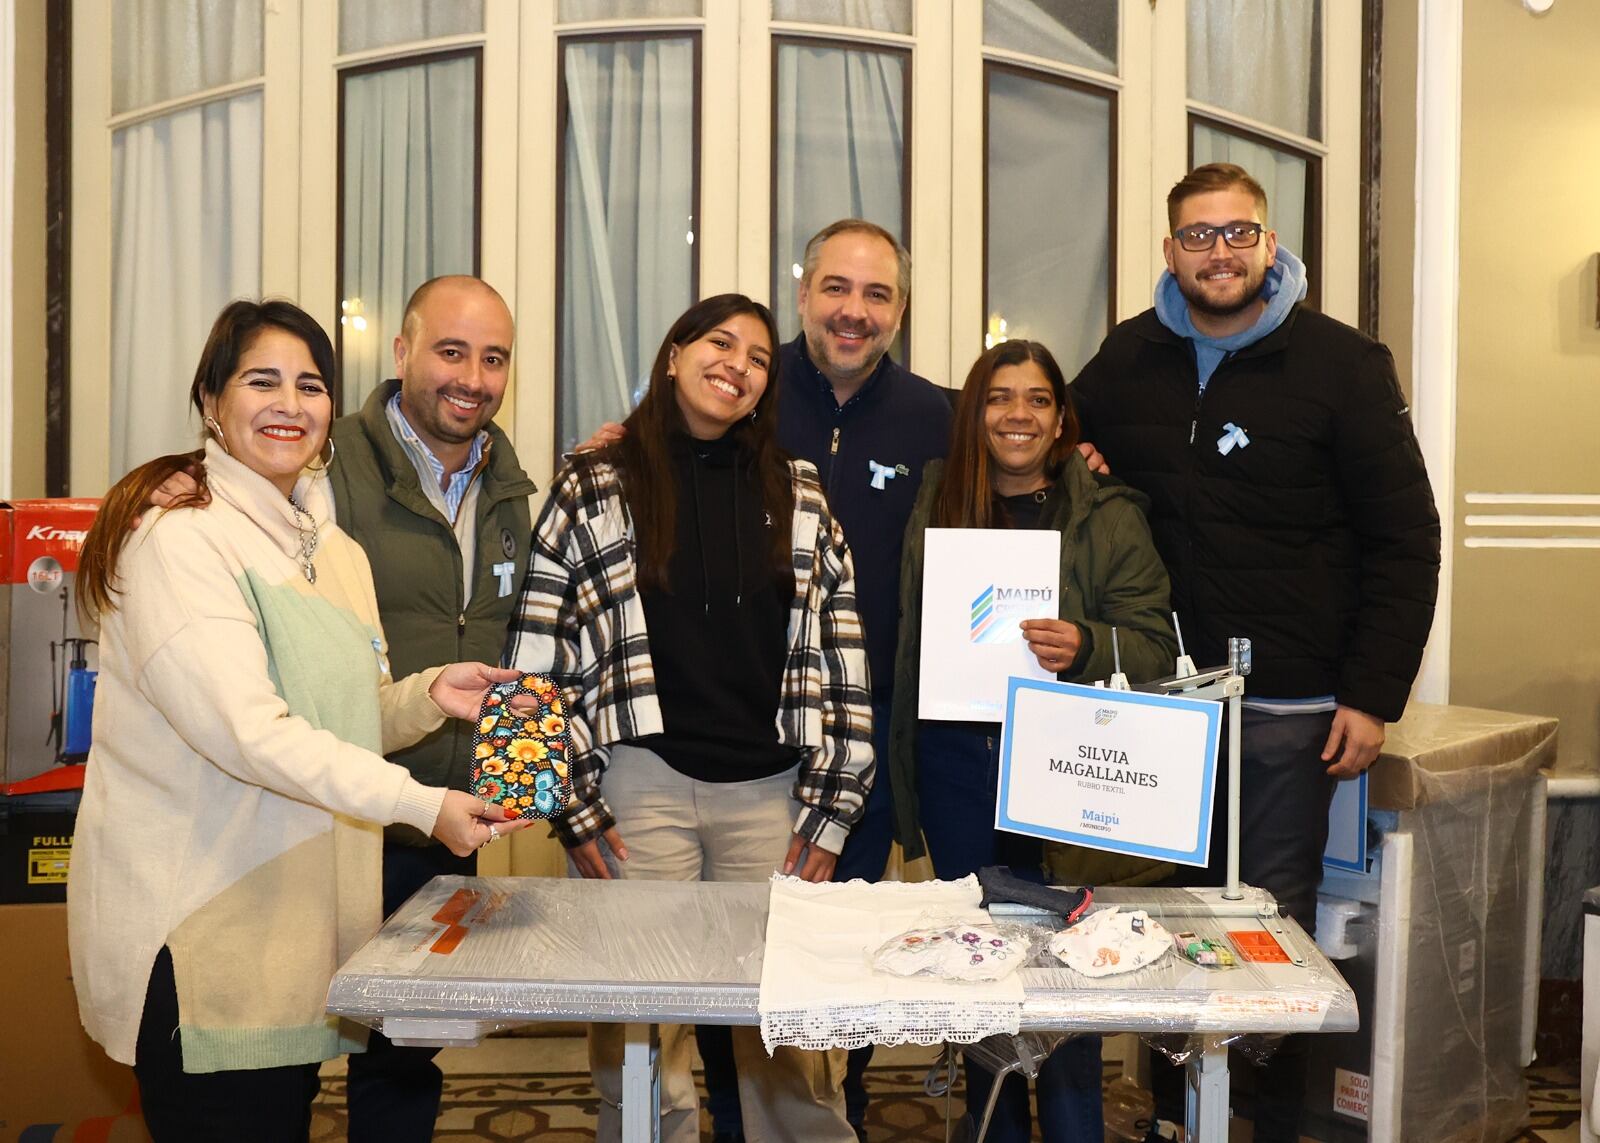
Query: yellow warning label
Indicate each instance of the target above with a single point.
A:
(48, 866)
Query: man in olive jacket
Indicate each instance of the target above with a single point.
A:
(431, 489)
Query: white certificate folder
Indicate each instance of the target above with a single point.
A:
(978, 584)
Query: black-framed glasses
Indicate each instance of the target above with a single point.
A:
(1201, 237)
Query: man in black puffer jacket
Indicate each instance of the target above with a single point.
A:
(1291, 506)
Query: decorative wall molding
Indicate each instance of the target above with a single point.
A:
(1562, 529)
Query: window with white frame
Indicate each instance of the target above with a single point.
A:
(604, 162)
(185, 179)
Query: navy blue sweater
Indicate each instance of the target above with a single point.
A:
(900, 422)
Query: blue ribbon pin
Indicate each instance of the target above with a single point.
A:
(881, 474)
(1234, 436)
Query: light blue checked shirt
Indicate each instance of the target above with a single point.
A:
(445, 496)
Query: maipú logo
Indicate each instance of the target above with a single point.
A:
(996, 611)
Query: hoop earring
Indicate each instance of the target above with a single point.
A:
(326, 464)
(216, 430)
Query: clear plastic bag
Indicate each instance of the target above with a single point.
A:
(956, 950)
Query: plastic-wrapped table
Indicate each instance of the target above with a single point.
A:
(468, 956)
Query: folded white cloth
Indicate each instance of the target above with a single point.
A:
(818, 986)
(1111, 941)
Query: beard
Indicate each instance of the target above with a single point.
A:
(1194, 292)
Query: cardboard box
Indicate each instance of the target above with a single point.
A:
(1436, 750)
(56, 1085)
(39, 545)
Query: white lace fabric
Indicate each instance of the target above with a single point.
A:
(818, 987)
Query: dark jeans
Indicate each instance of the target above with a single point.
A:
(958, 767)
(1283, 829)
(254, 1105)
(866, 853)
(393, 1091)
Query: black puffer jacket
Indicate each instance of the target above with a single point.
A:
(1318, 540)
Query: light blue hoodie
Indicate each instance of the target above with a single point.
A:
(1285, 285)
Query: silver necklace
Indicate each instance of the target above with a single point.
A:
(307, 527)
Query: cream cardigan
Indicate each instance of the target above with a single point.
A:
(235, 779)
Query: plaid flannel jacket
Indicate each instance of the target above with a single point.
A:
(581, 621)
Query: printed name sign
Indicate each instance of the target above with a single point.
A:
(1120, 771)
(978, 585)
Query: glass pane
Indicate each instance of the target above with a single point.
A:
(628, 220)
(1079, 32)
(408, 210)
(1281, 174)
(1259, 58)
(186, 239)
(164, 49)
(571, 11)
(1048, 271)
(874, 15)
(840, 153)
(367, 24)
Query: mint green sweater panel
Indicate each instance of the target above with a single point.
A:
(322, 659)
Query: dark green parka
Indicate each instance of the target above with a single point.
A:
(416, 566)
(1110, 577)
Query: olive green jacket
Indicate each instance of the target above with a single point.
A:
(1110, 576)
(416, 564)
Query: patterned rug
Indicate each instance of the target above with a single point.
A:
(559, 1107)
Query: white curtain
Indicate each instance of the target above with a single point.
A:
(1080, 32)
(365, 24)
(841, 152)
(572, 11)
(1259, 59)
(163, 49)
(874, 15)
(186, 239)
(628, 225)
(1281, 175)
(410, 162)
(1049, 269)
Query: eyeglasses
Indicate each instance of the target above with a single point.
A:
(1201, 237)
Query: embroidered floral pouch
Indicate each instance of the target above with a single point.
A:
(519, 758)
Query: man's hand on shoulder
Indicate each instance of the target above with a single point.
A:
(1355, 739)
(607, 434)
(1092, 457)
(176, 489)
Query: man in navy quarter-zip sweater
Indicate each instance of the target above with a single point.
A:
(1290, 504)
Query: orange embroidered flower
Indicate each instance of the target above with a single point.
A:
(494, 766)
(553, 725)
(487, 723)
(527, 750)
(483, 750)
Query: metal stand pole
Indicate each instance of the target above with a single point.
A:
(641, 1084)
(1206, 1110)
(1235, 707)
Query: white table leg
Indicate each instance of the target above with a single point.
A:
(641, 1084)
(1206, 1112)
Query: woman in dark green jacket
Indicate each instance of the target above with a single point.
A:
(1014, 463)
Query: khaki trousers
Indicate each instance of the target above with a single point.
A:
(680, 829)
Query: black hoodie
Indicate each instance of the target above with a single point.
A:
(719, 634)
